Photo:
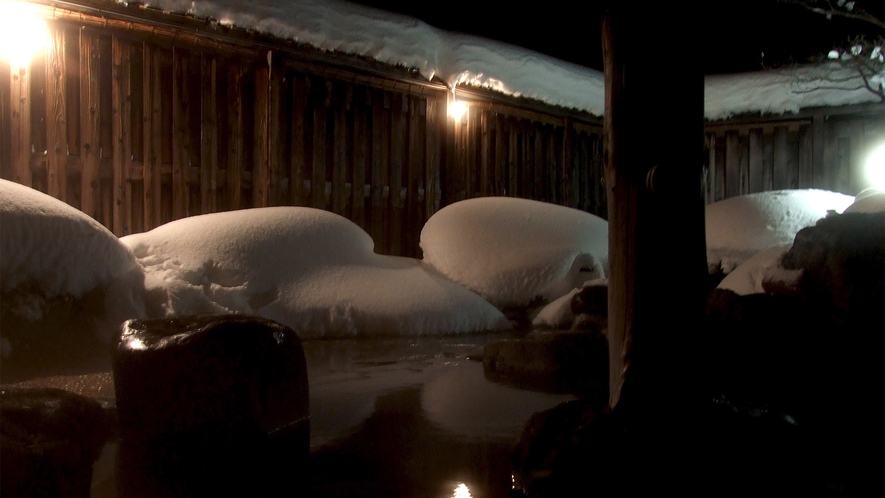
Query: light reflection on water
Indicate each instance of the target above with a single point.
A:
(406, 415)
(462, 491)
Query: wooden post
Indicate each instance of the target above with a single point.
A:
(654, 151)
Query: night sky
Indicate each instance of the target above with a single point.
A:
(735, 32)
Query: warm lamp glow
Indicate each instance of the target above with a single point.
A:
(22, 32)
(457, 110)
(461, 491)
(875, 167)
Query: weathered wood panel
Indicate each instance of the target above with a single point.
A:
(56, 115)
(90, 123)
(20, 124)
(152, 168)
(209, 162)
(122, 144)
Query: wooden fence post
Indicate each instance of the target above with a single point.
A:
(20, 124)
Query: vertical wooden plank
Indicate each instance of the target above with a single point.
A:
(528, 158)
(819, 176)
(136, 88)
(209, 165)
(90, 123)
(236, 155)
(792, 175)
(298, 194)
(600, 191)
(380, 167)
(122, 141)
(360, 160)
(513, 159)
(37, 81)
(181, 102)
(274, 131)
(501, 135)
(456, 175)
(20, 124)
(540, 193)
(318, 161)
(414, 209)
(767, 158)
(806, 157)
(843, 163)
(732, 165)
(56, 116)
(260, 167)
(719, 177)
(756, 180)
(781, 176)
(469, 147)
(710, 170)
(554, 166)
(566, 169)
(398, 128)
(744, 161)
(339, 151)
(5, 117)
(433, 147)
(152, 94)
(486, 181)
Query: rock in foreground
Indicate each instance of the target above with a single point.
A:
(49, 439)
(211, 405)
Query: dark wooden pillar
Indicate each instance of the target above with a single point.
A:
(653, 160)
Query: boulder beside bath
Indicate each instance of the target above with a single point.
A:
(211, 404)
(49, 439)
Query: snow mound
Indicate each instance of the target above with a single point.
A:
(740, 227)
(52, 255)
(312, 270)
(871, 203)
(513, 251)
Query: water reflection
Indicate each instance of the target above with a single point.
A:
(401, 418)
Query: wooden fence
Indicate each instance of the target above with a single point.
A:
(823, 148)
(139, 127)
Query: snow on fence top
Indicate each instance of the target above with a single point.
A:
(341, 26)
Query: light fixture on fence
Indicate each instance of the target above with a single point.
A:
(875, 167)
(22, 32)
(457, 108)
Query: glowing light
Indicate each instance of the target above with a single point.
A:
(22, 32)
(137, 344)
(875, 167)
(461, 491)
(457, 110)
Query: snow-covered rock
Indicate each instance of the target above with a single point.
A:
(514, 251)
(871, 203)
(54, 256)
(740, 227)
(312, 270)
(749, 276)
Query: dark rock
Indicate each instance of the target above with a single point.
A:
(211, 405)
(843, 263)
(590, 307)
(550, 362)
(49, 439)
(717, 448)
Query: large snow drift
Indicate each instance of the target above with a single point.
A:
(513, 251)
(312, 270)
(52, 255)
(740, 227)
